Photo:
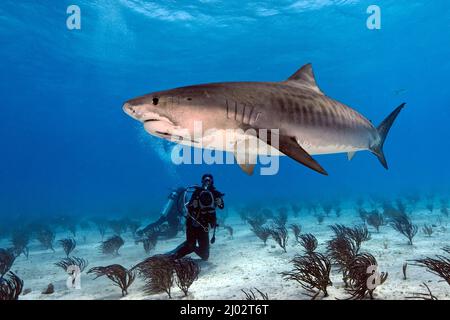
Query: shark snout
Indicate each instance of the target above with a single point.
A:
(142, 114)
(128, 109)
(133, 111)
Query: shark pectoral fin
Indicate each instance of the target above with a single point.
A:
(290, 147)
(350, 155)
(247, 168)
(244, 158)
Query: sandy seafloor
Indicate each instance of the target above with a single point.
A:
(242, 262)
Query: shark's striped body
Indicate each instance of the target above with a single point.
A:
(309, 122)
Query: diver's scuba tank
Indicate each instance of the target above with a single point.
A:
(167, 207)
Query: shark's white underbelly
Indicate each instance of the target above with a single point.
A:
(230, 141)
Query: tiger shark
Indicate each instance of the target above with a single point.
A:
(306, 122)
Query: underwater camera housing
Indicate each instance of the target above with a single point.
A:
(206, 200)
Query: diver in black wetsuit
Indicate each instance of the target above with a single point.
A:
(169, 223)
(200, 219)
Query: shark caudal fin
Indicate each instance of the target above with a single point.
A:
(383, 130)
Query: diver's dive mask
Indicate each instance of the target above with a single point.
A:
(206, 182)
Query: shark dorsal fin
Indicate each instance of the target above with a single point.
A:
(304, 77)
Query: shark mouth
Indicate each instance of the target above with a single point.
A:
(175, 138)
(152, 117)
(165, 129)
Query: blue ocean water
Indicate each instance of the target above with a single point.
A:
(67, 146)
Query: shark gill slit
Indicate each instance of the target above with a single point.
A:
(258, 114)
(250, 115)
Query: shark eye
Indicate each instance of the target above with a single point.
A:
(155, 101)
(189, 99)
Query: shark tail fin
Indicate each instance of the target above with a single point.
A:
(383, 130)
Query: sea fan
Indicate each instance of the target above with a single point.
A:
(46, 237)
(281, 219)
(158, 273)
(296, 229)
(72, 262)
(342, 250)
(20, 238)
(66, 222)
(423, 296)
(150, 240)
(250, 295)
(68, 245)
(363, 277)
(427, 230)
(309, 242)
(119, 275)
(187, 271)
(312, 272)
(363, 214)
(10, 287)
(256, 220)
(259, 230)
(357, 233)
(403, 225)
(102, 226)
(375, 219)
(320, 218)
(7, 258)
(280, 235)
(112, 245)
(440, 265)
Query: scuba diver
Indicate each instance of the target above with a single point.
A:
(169, 223)
(201, 217)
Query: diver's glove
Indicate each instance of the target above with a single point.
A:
(219, 202)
